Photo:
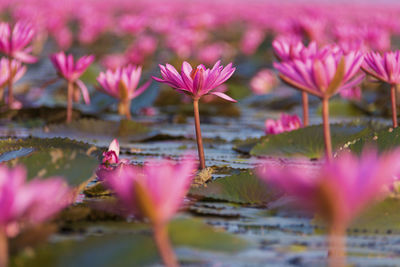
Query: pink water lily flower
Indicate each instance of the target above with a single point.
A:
(122, 83)
(263, 82)
(385, 68)
(17, 71)
(286, 49)
(155, 191)
(25, 203)
(339, 190)
(14, 41)
(111, 156)
(285, 123)
(71, 71)
(315, 75)
(197, 82)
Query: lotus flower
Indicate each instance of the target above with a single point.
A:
(14, 41)
(286, 49)
(111, 156)
(339, 190)
(27, 203)
(286, 123)
(323, 76)
(385, 68)
(71, 71)
(17, 71)
(155, 191)
(197, 83)
(122, 84)
(13, 44)
(263, 82)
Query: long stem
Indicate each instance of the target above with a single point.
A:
(327, 130)
(10, 84)
(337, 246)
(128, 109)
(164, 245)
(394, 106)
(304, 96)
(198, 134)
(69, 103)
(3, 249)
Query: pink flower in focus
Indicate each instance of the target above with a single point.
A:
(340, 189)
(315, 75)
(155, 191)
(385, 68)
(71, 71)
(263, 82)
(29, 202)
(14, 41)
(197, 82)
(286, 123)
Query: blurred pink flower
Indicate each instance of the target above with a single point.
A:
(340, 189)
(315, 75)
(154, 191)
(29, 202)
(351, 93)
(70, 71)
(251, 40)
(14, 41)
(286, 123)
(385, 68)
(122, 84)
(286, 49)
(17, 69)
(113, 61)
(197, 82)
(263, 82)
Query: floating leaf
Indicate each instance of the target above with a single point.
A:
(244, 188)
(128, 248)
(92, 130)
(245, 146)
(309, 141)
(341, 108)
(385, 139)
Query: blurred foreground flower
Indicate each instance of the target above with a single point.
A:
(323, 75)
(14, 41)
(285, 123)
(70, 71)
(338, 191)
(263, 82)
(196, 83)
(385, 68)
(155, 192)
(122, 84)
(23, 204)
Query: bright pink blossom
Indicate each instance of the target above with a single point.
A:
(155, 191)
(339, 190)
(385, 68)
(23, 203)
(71, 71)
(315, 75)
(197, 82)
(285, 123)
(14, 41)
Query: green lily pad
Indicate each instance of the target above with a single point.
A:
(244, 188)
(381, 218)
(342, 108)
(75, 161)
(128, 248)
(385, 139)
(92, 130)
(309, 141)
(245, 146)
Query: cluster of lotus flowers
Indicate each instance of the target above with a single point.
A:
(337, 191)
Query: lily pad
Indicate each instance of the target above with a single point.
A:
(342, 108)
(309, 141)
(129, 248)
(92, 130)
(244, 188)
(75, 161)
(386, 139)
